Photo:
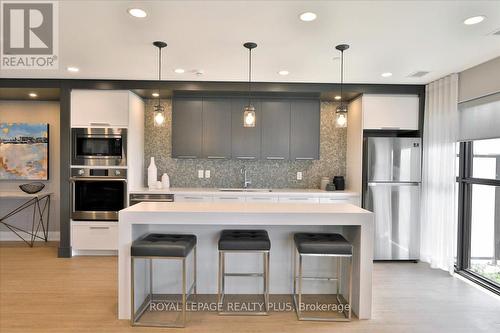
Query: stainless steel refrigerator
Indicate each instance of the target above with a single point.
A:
(392, 192)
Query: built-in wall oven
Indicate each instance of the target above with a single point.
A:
(98, 194)
(99, 146)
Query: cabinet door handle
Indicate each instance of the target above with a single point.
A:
(275, 158)
(99, 124)
(193, 198)
(186, 156)
(246, 157)
(304, 158)
(390, 128)
(101, 228)
(301, 199)
(228, 198)
(268, 199)
(216, 157)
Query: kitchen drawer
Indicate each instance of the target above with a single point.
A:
(192, 198)
(261, 199)
(334, 200)
(298, 200)
(94, 235)
(228, 198)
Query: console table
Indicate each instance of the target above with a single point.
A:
(40, 202)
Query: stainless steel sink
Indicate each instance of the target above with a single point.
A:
(245, 190)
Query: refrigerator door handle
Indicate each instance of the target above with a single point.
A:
(393, 184)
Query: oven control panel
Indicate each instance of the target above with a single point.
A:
(99, 172)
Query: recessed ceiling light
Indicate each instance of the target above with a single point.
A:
(308, 16)
(137, 12)
(283, 73)
(387, 74)
(73, 69)
(179, 70)
(155, 94)
(474, 20)
(337, 97)
(32, 94)
(199, 72)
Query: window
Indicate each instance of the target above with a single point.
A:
(478, 182)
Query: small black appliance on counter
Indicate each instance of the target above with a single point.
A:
(339, 183)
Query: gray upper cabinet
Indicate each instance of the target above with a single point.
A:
(187, 127)
(275, 129)
(216, 128)
(212, 127)
(245, 141)
(304, 129)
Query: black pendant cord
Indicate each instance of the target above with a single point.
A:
(249, 76)
(159, 75)
(341, 78)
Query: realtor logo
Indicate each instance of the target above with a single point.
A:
(29, 35)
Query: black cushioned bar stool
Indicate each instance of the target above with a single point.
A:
(162, 246)
(322, 245)
(243, 241)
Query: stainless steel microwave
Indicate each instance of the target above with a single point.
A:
(99, 146)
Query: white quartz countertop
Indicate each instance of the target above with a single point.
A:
(243, 207)
(274, 192)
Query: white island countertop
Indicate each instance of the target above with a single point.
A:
(150, 209)
(281, 220)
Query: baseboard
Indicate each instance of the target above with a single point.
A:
(112, 253)
(8, 236)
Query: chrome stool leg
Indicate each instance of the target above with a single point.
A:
(182, 317)
(297, 294)
(222, 278)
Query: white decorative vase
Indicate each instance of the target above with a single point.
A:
(165, 181)
(152, 174)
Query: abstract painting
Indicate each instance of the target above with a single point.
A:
(24, 151)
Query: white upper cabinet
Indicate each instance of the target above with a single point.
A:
(390, 112)
(99, 108)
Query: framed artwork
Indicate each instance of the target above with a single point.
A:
(24, 151)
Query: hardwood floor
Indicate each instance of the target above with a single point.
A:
(41, 293)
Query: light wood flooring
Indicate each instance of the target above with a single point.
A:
(42, 293)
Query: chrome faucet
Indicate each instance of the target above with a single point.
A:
(246, 181)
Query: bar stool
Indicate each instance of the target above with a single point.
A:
(238, 242)
(162, 246)
(321, 245)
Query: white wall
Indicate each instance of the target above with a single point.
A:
(33, 112)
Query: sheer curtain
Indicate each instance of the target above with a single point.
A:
(438, 218)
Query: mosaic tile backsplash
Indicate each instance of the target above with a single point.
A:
(263, 174)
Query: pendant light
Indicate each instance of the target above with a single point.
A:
(249, 109)
(341, 112)
(159, 110)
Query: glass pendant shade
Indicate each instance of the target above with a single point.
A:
(249, 116)
(341, 116)
(159, 115)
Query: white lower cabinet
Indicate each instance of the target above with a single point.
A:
(299, 200)
(228, 198)
(192, 198)
(93, 235)
(262, 199)
(334, 200)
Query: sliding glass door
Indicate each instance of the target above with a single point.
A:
(478, 184)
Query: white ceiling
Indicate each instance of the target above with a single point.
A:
(401, 37)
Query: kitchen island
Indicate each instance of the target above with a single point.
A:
(281, 220)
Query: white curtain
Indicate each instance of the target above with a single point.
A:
(438, 218)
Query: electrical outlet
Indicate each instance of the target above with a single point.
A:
(200, 174)
(207, 173)
(299, 175)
